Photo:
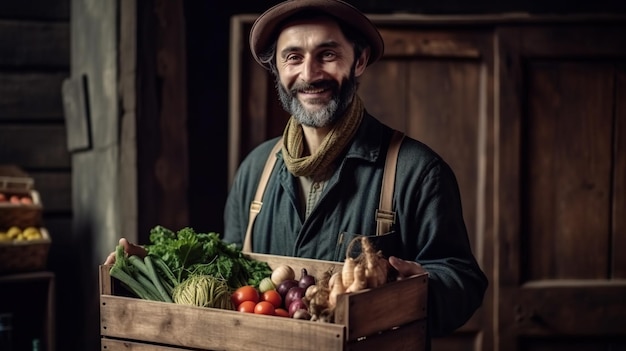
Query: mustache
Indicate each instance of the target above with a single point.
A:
(320, 84)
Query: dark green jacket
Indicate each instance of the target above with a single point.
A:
(429, 228)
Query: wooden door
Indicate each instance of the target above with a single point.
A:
(561, 192)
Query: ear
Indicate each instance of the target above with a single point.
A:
(361, 62)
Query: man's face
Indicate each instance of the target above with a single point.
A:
(316, 71)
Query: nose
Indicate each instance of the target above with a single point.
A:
(311, 70)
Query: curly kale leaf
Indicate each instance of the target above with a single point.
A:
(188, 253)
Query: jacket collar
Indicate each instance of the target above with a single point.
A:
(368, 140)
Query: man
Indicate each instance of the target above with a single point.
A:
(324, 188)
(325, 185)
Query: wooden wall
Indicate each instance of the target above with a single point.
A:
(34, 61)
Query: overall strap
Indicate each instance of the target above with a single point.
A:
(385, 216)
(255, 206)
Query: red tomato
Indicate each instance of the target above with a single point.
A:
(245, 293)
(273, 297)
(246, 306)
(264, 307)
(281, 312)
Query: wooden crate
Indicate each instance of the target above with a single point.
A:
(14, 183)
(392, 317)
(26, 255)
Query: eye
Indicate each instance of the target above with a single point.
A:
(293, 58)
(329, 55)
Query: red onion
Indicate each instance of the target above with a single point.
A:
(284, 287)
(297, 305)
(306, 280)
(294, 294)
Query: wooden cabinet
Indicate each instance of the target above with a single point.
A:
(530, 112)
(29, 299)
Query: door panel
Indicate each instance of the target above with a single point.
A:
(560, 194)
(567, 160)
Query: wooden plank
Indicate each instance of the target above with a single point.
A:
(618, 232)
(34, 146)
(207, 329)
(567, 169)
(40, 44)
(31, 96)
(546, 40)
(316, 268)
(507, 181)
(57, 10)
(447, 118)
(407, 298)
(573, 344)
(507, 167)
(431, 43)
(172, 206)
(105, 281)
(387, 105)
(109, 344)
(128, 83)
(411, 337)
(571, 308)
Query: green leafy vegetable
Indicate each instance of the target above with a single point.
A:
(133, 274)
(188, 253)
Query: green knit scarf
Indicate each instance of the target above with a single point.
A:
(332, 146)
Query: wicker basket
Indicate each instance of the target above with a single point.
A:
(25, 255)
(20, 214)
(20, 206)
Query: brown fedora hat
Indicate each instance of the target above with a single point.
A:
(263, 31)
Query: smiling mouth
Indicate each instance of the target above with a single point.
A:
(313, 91)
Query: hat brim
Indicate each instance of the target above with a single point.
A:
(263, 31)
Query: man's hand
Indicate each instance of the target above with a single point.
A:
(405, 268)
(129, 248)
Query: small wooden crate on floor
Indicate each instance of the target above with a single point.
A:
(391, 317)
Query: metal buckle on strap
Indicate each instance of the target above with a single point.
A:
(255, 206)
(387, 216)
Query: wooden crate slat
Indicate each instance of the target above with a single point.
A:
(370, 318)
(314, 267)
(125, 345)
(410, 337)
(198, 327)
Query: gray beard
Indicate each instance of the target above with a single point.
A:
(325, 116)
